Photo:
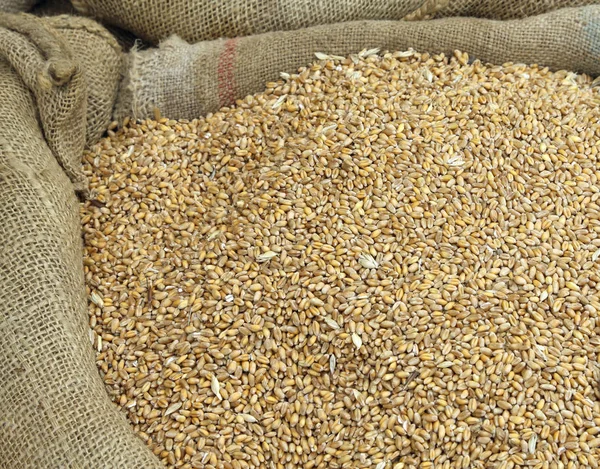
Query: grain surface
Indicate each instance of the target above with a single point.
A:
(383, 261)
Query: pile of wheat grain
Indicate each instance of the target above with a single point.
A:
(384, 261)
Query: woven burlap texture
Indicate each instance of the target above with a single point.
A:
(188, 80)
(45, 64)
(101, 61)
(55, 412)
(125, 39)
(194, 21)
(503, 9)
(153, 20)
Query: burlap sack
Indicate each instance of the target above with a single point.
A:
(154, 20)
(500, 9)
(186, 81)
(199, 20)
(101, 61)
(74, 96)
(125, 39)
(45, 64)
(54, 410)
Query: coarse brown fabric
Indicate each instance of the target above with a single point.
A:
(194, 21)
(101, 61)
(186, 81)
(76, 91)
(46, 65)
(502, 10)
(55, 412)
(199, 20)
(125, 39)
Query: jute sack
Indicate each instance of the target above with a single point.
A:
(64, 7)
(72, 114)
(200, 20)
(501, 10)
(55, 412)
(188, 80)
(101, 61)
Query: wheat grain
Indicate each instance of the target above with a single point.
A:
(384, 261)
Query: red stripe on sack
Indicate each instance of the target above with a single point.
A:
(225, 73)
